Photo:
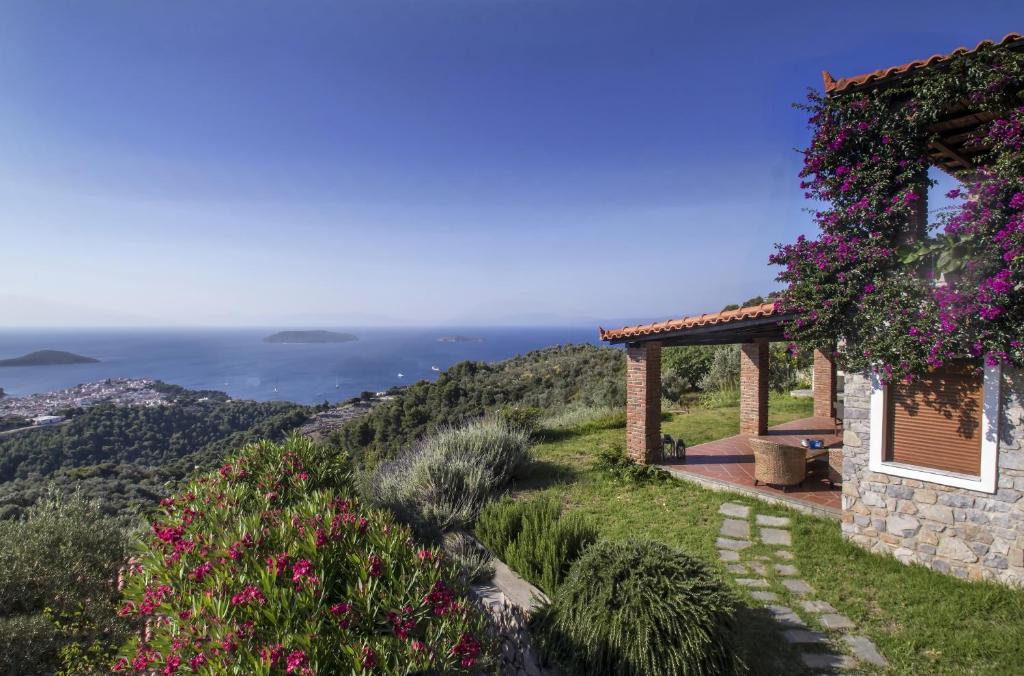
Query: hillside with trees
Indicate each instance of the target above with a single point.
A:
(549, 379)
(124, 456)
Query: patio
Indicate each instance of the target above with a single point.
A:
(728, 464)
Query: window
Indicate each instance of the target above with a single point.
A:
(941, 428)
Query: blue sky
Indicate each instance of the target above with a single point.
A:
(422, 161)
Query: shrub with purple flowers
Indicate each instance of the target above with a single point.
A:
(870, 275)
(267, 566)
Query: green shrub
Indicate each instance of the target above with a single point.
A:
(535, 538)
(444, 481)
(640, 607)
(520, 417)
(613, 461)
(264, 566)
(57, 592)
(584, 418)
(720, 398)
(474, 559)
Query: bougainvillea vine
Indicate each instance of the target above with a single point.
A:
(900, 298)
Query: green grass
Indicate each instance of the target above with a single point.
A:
(923, 622)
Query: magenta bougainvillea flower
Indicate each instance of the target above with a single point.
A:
(906, 299)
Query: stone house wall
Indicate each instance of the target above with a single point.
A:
(967, 533)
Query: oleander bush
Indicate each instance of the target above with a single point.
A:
(640, 607)
(442, 483)
(535, 538)
(268, 566)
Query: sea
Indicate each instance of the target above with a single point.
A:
(240, 363)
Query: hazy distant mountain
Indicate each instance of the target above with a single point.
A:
(310, 337)
(47, 358)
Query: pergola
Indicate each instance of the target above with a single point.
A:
(952, 149)
(752, 327)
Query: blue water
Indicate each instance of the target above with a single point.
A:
(238, 362)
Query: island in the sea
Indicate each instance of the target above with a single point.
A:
(460, 339)
(47, 358)
(310, 337)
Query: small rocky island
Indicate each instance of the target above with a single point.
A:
(460, 339)
(310, 337)
(48, 358)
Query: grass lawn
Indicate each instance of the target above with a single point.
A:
(923, 622)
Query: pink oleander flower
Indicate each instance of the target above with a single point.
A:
(369, 657)
(277, 564)
(247, 595)
(171, 665)
(375, 566)
(271, 654)
(295, 661)
(468, 648)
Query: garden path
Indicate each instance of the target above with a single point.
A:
(763, 563)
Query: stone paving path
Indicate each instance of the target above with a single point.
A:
(777, 577)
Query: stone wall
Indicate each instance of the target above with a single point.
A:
(962, 532)
(510, 602)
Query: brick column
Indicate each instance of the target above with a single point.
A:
(754, 388)
(643, 402)
(824, 385)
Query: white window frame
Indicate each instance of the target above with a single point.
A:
(985, 483)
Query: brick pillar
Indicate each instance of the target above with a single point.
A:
(824, 385)
(754, 388)
(643, 402)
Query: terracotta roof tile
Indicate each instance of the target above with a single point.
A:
(833, 86)
(724, 317)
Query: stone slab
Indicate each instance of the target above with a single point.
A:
(758, 568)
(517, 590)
(767, 597)
(734, 528)
(775, 521)
(826, 661)
(734, 510)
(776, 536)
(798, 587)
(728, 555)
(737, 569)
(836, 622)
(754, 582)
(804, 637)
(785, 616)
(784, 554)
(735, 545)
(786, 569)
(865, 651)
(817, 607)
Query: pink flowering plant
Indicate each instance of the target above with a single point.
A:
(267, 566)
(906, 298)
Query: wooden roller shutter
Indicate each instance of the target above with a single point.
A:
(935, 421)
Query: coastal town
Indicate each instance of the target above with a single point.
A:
(45, 406)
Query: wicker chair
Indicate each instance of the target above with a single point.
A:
(777, 464)
(835, 466)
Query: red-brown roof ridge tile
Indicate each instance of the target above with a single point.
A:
(833, 86)
(707, 319)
